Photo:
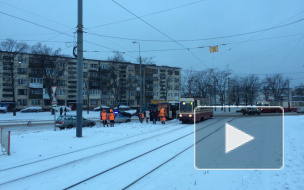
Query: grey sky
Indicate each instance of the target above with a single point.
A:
(278, 50)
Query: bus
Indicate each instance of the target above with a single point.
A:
(171, 109)
(187, 106)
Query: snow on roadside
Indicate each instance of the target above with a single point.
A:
(39, 144)
(181, 174)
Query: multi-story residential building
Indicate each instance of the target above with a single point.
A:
(104, 82)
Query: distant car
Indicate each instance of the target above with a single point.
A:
(300, 110)
(123, 113)
(31, 109)
(100, 108)
(67, 108)
(251, 111)
(70, 121)
(122, 107)
(3, 110)
(241, 110)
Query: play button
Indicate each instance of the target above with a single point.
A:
(235, 138)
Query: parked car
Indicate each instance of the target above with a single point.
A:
(67, 108)
(100, 108)
(3, 110)
(31, 109)
(70, 121)
(251, 111)
(122, 113)
(300, 110)
(241, 110)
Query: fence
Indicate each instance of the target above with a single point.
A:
(5, 141)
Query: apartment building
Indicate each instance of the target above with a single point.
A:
(28, 78)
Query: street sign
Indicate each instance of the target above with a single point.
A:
(54, 100)
(213, 49)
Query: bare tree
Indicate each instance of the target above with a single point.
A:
(188, 83)
(117, 83)
(51, 65)
(250, 88)
(277, 85)
(236, 88)
(299, 90)
(12, 49)
(221, 80)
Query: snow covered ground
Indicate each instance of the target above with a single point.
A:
(179, 173)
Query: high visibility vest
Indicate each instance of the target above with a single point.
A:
(104, 115)
(111, 116)
(143, 115)
(163, 119)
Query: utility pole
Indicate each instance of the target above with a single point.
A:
(288, 96)
(229, 92)
(79, 70)
(214, 95)
(141, 84)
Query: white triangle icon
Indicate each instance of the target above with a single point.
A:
(235, 138)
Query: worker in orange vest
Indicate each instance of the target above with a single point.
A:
(103, 117)
(142, 116)
(111, 118)
(162, 115)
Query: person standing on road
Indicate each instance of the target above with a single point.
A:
(147, 116)
(111, 118)
(103, 117)
(61, 110)
(65, 110)
(154, 116)
(162, 115)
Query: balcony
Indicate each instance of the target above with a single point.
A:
(36, 85)
(35, 96)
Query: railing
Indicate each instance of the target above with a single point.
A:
(5, 141)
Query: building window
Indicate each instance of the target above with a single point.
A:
(61, 102)
(104, 67)
(169, 94)
(176, 72)
(149, 93)
(94, 92)
(21, 81)
(176, 80)
(61, 83)
(155, 79)
(22, 60)
(113, 102)
(94, 102)
(94, 66)
(132, 94)
(36, 80)
(22, 91)
(155, 71)
(47, 102)
(22, 102)
(131, 102)
(176, 87)
(36, 91)
(176, 94)
(22, 71)
(95, 83)
(85, 74)
(35, 71)
(131, 69)
(85, 65)
(104, 92)
(155, 94)
(169, 72)
(60, 92)
(35, 102)
(170, 87)
(104, 102)
(94, 74)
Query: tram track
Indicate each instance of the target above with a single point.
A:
(150, 151)
(31, 164)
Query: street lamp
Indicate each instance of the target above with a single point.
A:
(140, 80)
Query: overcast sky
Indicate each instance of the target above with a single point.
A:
(267, 36)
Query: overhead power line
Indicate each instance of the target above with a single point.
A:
(57, 31)
(165, 10)
(34, 14)
(160, 32)
(201, 39)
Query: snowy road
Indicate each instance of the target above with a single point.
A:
(57, 160)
